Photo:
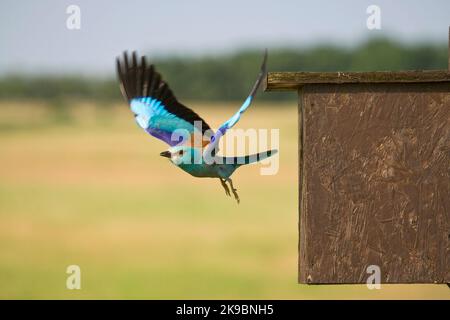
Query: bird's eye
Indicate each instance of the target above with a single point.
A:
(180, 152)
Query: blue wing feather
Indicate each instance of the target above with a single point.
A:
(213, 146)
(235, 118)
(156, 109)
(152, 116)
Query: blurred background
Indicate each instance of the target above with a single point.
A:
(81, 184)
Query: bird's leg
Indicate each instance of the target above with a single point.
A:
(236, 196)
(224, 185)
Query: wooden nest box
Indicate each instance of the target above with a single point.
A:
(374, 175)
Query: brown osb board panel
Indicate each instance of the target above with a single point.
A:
(374, 182)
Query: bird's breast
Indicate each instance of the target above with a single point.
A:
(201, 170)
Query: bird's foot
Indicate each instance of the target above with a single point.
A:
(224, 185)
(236, 196)
(234, 190)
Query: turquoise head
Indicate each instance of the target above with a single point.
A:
(183, 155)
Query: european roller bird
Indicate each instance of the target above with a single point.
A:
(193, 146)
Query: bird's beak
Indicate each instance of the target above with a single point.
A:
(165, 154)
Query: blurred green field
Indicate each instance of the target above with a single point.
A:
(83, 185)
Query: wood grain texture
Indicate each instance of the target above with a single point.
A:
(374, 182)
(282, 81)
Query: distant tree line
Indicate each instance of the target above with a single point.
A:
(230, 77)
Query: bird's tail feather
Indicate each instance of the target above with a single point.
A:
(250, 158)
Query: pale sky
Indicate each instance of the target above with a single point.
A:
(34, 37)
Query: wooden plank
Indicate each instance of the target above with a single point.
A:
(374, 182)
(282, 81)
(302, 228)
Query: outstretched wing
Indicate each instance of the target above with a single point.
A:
(156, 109)
(212, 147)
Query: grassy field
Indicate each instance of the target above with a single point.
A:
(85, 186)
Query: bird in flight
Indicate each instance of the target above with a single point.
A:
(193, 146)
